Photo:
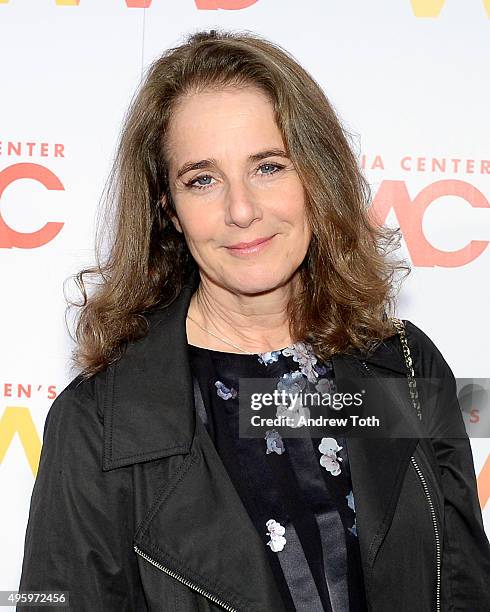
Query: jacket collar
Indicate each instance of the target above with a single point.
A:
(148, 407)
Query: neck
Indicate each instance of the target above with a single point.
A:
(256, 323)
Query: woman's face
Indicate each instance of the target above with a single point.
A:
(232, 183)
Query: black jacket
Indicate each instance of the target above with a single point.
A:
(132, 509)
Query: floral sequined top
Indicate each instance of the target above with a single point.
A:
(296, 490)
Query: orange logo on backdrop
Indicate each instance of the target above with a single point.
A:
(9, 237)
(394, 195)
(484, 483)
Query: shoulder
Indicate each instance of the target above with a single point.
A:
(437, 386)
(389, 354)
(76, 411)
(428, 360)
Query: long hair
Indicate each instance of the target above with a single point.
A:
(348, 286)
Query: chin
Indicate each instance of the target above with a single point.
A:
(252, 283)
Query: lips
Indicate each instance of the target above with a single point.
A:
(248, 245)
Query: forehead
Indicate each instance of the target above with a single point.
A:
(215, 101)
(222, 122)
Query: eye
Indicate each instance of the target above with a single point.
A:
(199, 178)
(271, 165)
(194, 185)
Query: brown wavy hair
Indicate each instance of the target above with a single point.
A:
(348, 277)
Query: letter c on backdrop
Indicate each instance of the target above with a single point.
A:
(9, 237)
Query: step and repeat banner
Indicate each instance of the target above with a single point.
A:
(409, 79)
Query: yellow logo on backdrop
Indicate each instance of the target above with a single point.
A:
(17, 419)
(432, 8)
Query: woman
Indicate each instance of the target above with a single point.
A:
(241, 249)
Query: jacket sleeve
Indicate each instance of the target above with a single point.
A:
(466, 550)
(80, 527)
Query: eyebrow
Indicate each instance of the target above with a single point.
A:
(208, 163)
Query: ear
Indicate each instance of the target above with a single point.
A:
(173, 217)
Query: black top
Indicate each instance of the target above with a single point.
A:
(298, 496)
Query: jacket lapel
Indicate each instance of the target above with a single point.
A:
(377, 465)
(199, 527)
(148, 406)
(202, 531)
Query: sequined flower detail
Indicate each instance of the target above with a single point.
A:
(269, 357)
(303, 354)
(329, 460)
(320, 369)
(276, 532)
(350, 500)
(223, 391)
(291, 383)
(274, 442)
(295, 412)
(350, 503)
(324, 368)
(353, 529)
(326, 385)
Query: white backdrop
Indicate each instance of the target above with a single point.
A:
(409, 78)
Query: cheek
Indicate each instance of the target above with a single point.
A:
(302, 232)
(294, 210)
(198, 225)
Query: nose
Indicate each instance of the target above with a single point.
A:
(242, 207)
